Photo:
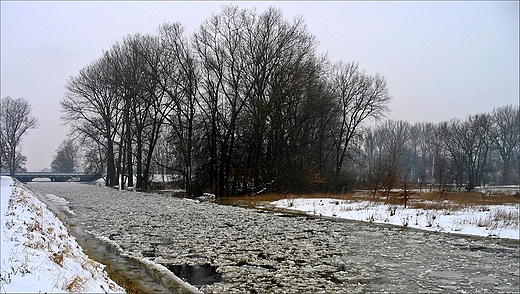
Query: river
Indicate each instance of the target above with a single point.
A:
(228, 249)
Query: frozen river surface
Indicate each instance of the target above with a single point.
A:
(255, 251)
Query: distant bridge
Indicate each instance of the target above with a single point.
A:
(54, 176)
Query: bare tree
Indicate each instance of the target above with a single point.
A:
(359, 97)
(117, 102)
(15, 120)
(507, 122)
(442, 172)
(178, 78)
(447, 132)
(372, 159)
(142, 57)
(220, 46)
(94, 156)
(285, 104)
(92, 107)
(422, 148)
(386, 147)
(66, 158)
(395, 149)
(468, 143)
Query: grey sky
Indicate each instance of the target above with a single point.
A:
(441, 59)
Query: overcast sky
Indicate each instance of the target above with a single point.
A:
(441, 59)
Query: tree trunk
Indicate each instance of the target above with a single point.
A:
(12, 162)
(111, 168)
(139, 158)
(128, 143)
(506, 172)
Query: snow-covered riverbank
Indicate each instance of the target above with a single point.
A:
(500, 221)
(38, 255)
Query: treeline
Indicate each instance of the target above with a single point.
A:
(479, 150)
(247, 104)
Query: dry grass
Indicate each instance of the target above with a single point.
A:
(21, 197)
(431, 200)
(473, 198)
(499, 219)
(58, 258)
(75, 285)
(35, 226)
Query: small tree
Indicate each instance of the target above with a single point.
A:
(66, 158)
(15, 120)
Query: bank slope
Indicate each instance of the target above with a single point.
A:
(37, 253)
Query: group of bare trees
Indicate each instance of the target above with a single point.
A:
(482, 149)
(247, 104)
(244, 104)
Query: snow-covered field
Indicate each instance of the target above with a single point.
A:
(500, 221)
(38, 255)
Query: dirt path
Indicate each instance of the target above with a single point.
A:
(256, 251)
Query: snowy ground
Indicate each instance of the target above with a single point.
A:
(492, 221)
(38, 255)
